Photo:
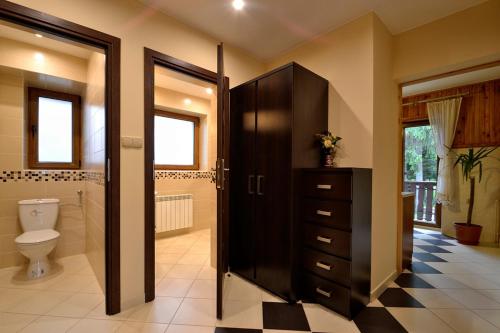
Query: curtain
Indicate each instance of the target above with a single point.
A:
(443, 118)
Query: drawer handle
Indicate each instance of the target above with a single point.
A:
(323, 187)
(323, 212)
(323, 292)
(324, 239)
(324, 266)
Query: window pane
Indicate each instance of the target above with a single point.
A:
(55, 130)
(174, 141)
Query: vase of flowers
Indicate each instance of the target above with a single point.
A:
(328, 147)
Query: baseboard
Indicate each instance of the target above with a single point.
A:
(378, 290)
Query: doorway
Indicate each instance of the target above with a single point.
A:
(53, 31)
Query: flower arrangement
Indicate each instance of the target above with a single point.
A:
(328, 144)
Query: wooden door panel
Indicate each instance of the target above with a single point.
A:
(273, 199)
(242, 229)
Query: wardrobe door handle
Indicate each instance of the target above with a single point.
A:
(259, 185)
(323, 266)
(323, 213)
(323, 292)
(323, 187)
(251, 179)
(324, 239)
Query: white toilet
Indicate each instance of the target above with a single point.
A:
(38, 218)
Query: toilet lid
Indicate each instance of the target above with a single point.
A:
(37, 236)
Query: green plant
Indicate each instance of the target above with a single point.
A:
(327, 141)
(469, 162)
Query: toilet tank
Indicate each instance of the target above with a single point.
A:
(38, 214)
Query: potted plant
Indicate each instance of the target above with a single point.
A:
(469, 233)
(328, 145)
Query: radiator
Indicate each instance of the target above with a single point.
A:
(173, 212)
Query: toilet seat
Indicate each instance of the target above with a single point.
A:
(37, 236)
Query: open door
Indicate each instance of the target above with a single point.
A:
(222, 176)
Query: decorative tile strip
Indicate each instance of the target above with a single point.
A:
(42, 176)
(208, 175)
(95, 177)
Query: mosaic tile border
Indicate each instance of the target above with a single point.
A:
(95, 177)
(42, 176)
(208, 175)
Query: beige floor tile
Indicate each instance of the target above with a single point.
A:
(10, 297)
(73, 283)
(47, 324)
(474, 281)
(434, 298)
(238, 289)
(40, 303)
(202, 289)
(268, 297)
(78, 305)
(184, 271)
(442, 281)
(13, 322)
(207, 273)
(465, 321)
(95, 326)
(242, 314)
(189, 329)
(173, 287)
(323, 320)
(420, 320)
(161, 310)
(494, 294)
(193, 259)
(199, 312)
(472, 299)
(99, 312)
(132, 327)
(168, 258)
(162, 269)
(493, 316)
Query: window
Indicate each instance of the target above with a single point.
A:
(176, 141)
(53, 130)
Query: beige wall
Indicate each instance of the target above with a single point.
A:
(139, 27)
(39, 60)
(467, 38)
(70, 223)
(487, 193)
(93, 162)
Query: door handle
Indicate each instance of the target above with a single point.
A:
(251, 179)
(323, 213)
(323, 187)
(323, 292)
(324, 239)
(259, 185)
(219, 174)
(323, 266)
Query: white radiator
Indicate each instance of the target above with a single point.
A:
(174, 212)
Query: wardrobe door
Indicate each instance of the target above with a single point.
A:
(243, 186)
(273, 199)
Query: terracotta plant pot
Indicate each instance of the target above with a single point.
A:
(468, 234)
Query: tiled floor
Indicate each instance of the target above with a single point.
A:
(452, 288)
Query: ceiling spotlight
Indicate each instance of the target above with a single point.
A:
(38, 35)
(39, 57)
(209, 91)
(238, 4)
(187, 101)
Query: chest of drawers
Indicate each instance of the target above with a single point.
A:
(335, 225)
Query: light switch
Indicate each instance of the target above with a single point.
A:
(131, 142)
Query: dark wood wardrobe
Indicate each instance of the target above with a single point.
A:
(273, 121)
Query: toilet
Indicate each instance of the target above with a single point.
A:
(38, 218)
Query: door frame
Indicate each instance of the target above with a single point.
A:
(43, 22)
(152, 58)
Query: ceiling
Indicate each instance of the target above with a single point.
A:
(26, 35)
(481, 75)
(185, 84)
(267, 28)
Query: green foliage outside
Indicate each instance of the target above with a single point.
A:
(420, 154)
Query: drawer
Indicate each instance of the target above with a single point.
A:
(328, 185)
(334, 214)
(327, 266)
(328, 240)
(327, 293)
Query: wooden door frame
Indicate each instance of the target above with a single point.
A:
(152, 58)
(43, 22)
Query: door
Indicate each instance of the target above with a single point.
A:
(222, 176)
(243, 190)
(273, 181)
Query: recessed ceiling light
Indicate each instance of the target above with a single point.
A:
(238, 4)
(38, 35)
(39, 57)
(187, 101)
(209, 91)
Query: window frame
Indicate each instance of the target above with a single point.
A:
(32, 129)
(196, 149)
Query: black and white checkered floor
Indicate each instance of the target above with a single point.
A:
(450, 288)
